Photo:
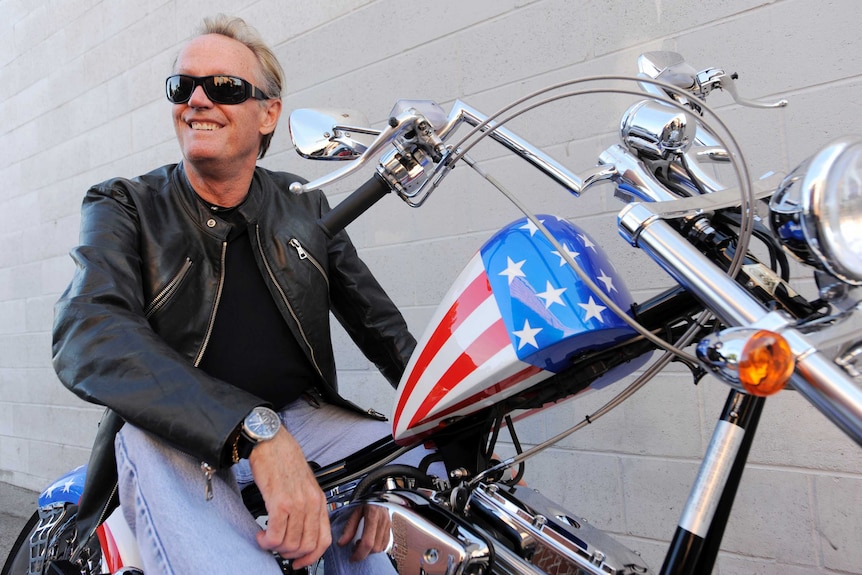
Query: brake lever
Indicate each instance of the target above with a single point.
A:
(729, 83)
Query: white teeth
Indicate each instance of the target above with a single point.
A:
(203, 126)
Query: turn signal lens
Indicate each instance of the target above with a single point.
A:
(766, 364)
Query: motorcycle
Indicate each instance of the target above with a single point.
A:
(539, 315)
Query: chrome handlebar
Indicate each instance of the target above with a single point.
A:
(659, 140)
(817, 377)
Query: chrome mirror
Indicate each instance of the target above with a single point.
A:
(667, 67)
(319, 134)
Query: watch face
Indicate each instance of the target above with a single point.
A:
(261, 424)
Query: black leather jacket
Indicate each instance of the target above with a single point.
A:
(135, 321)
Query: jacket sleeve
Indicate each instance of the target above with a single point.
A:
(105, 351)
(362, 306)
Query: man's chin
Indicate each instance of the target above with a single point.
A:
(202, 155)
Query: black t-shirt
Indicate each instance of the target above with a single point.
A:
(251, 346)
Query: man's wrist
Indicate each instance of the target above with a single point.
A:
(261, 424)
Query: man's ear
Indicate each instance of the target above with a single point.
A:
(269, 118)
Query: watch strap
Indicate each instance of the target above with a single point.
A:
(242, 447)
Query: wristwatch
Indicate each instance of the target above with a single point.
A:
(260, 425)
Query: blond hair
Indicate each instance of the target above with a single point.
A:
(273, 74)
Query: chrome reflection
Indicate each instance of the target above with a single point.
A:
(330, 134)
(426, 539)
(817, 210)
(657, 130)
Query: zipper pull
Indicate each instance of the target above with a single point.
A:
(299, 249)
(208, 473)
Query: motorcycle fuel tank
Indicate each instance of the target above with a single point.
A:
(514, 316)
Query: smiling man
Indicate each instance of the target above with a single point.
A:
(199, 315)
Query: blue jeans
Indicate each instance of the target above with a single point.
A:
(162, 492)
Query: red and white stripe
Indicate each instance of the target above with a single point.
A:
(463, 362)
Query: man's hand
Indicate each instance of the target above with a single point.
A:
(298, 527)
(375, 531)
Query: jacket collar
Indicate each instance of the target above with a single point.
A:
(208, 219)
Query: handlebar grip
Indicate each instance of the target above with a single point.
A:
(353, 205)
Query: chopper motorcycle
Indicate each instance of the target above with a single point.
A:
(539, 315)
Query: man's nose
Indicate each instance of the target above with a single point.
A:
(199, 98)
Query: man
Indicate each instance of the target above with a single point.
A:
(201, 298)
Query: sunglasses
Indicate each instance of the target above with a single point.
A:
(220, 89)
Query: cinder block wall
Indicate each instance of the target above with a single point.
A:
(81, 100)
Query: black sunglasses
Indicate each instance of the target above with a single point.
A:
(220, 89)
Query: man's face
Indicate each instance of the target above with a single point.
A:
(219, 135)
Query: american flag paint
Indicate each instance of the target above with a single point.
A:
(514, 316)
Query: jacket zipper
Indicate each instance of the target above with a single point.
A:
(215, 308)
(287, 303)
(101, 515)
(208, 476)
(304, 255)
(165, 295)
(314, 396)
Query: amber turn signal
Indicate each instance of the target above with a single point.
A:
(766, 364)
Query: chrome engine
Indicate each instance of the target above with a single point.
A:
(510, 530)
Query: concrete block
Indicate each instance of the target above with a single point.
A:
(62, 425)
(783, 52)
(512, 51)
(618, 25)
(57, 272)
(14, 453)
(36, 386)
(75, 16)
(654, 492)
(48, 461)
(39, 313)
(440, 263)
(809, 128)
(5, 284)
(838, 500)
(21, 141)
(50, 239)
(24, 350)
(151, 125)
(587, 484)
(427, 26)
(792, 432)
(24, 280)
(368, 389)
(108, 142)
(8, 53)
(661, 419)
(80, 114)
(11, 174)
(6, 409)
(13, 316)
(769, 498)
(297, 18)
(62, 199)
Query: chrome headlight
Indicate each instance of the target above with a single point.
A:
(817, 210)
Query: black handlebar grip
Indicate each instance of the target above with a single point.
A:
(353, 205)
